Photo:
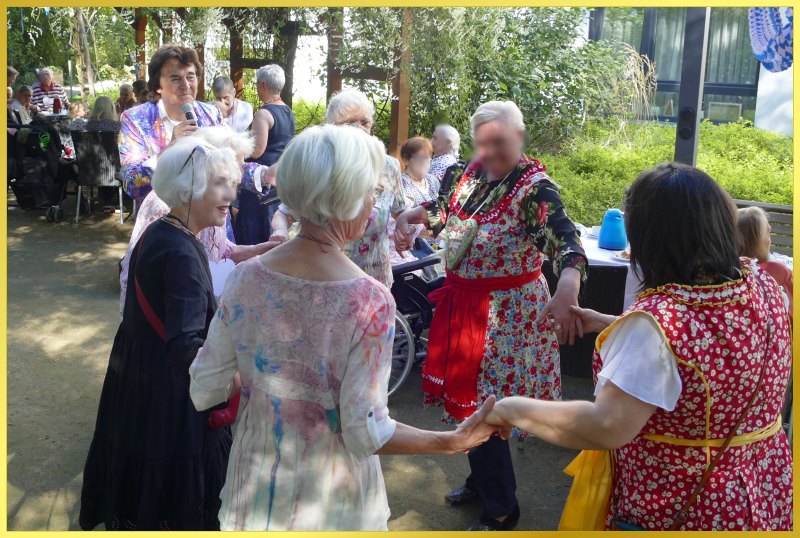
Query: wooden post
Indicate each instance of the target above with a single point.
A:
(201, 77)
(237, 68)
(140, 26)
(398, 129)
(335, 25)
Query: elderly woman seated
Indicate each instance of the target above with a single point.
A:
(446, 144)
(316, 374)
(155, 462)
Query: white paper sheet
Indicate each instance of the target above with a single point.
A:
(219, 274)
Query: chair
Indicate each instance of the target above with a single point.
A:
(97, 157)
(604, 291)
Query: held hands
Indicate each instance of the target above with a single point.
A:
(476, 430)
(558, 313)
(593, 321)
(403, 234)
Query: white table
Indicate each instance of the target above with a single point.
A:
(598, 256)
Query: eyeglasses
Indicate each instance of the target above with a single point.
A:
(203, 149)
(366, 124)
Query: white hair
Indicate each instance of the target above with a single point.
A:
(273, 76)
(327, 171)
(505, 111)
(126, 86)
(451, 135)
(345, 103)
(222, 84)
(223, 136)
(183, 170)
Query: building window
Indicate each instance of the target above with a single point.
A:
(731, 79)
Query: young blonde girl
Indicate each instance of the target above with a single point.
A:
(755, 242)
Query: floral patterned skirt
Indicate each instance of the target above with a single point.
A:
(520, 357)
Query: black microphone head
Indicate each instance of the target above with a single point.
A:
(188, 110)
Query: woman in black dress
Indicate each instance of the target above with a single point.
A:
(154, 462)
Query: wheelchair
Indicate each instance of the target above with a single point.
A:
(412, 284)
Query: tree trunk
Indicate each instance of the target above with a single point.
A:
(84, 49)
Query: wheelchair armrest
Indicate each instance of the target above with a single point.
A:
(410, 267)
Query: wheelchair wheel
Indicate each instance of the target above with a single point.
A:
(402, 352)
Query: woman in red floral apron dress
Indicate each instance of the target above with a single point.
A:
(487, 336)
(690, 379)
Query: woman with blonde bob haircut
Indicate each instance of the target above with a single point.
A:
(155, 462)
(311, 336)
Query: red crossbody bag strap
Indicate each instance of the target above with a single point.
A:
(149, 314)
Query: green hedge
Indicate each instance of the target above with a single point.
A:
(750, 163)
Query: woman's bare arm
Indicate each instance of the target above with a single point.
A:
(614, 419)
(262, 122)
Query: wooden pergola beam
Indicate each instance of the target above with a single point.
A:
(335, 24)
(398, 128)
(140, 26)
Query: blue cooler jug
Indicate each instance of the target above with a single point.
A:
(612, 231)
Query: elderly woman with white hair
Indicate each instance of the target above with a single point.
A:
(446, 144)
(311, 336)
(371, 251)
(496, 329)
(155, 462)
(215, 239)
(273, 127)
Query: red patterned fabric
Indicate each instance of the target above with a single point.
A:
(454, 356)
(719, 337)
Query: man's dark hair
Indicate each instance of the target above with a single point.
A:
(184, 55)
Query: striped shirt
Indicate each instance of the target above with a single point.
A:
(55, 91)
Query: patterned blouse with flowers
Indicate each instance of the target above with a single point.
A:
(371, 251)
(441, 163)
(144, 134)
(520, 221)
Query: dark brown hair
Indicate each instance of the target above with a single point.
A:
(681, 225)
(411, 146)
(184, 55)
(139, 86)
(753, 228)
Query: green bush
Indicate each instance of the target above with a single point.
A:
(750, 163)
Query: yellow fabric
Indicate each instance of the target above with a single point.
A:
(590, 494)
(739, 440)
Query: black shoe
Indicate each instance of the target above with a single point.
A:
(462, 495)
(489, 524)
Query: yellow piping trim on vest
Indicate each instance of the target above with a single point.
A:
(601, 338)
(738, 440)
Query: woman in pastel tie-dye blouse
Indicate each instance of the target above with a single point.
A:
(310, 335)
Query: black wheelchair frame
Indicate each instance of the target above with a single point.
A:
(412, 317)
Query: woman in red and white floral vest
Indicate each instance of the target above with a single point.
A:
(685, 431)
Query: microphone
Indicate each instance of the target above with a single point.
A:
(188, 111)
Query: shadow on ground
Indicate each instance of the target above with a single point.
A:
(62, 316)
